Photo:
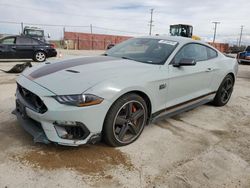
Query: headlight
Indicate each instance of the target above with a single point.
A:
(79, 100)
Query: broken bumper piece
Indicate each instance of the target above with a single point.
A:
(32, 127)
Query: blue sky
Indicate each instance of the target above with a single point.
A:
(130, 17)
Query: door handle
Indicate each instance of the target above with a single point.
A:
(13, 47)
(209, 69)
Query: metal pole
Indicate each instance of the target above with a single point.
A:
(91, 31)
(241, 30)
(151, 21)
(78, 41)
(63, 32)
(215, 29)
(22, 27)
(63, 39)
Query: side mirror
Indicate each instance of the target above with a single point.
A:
(48, 35)
(185, 62)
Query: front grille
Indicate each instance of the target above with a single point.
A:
(32, 99)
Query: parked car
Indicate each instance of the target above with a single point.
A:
(115, 95)
(244, 57)
(23, 47)
(110, 46)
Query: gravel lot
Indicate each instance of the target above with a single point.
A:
(205, 147)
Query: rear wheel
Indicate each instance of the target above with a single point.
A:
(39, 56)
(224, 92)
(125, 120)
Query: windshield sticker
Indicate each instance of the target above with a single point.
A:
(168, 42)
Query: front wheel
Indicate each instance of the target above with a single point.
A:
(39, 56)
(224, 92)
(125, 120)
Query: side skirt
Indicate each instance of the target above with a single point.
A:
(183, 107)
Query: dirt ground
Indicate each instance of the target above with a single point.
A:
(205, 147)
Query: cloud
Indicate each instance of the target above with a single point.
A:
(130, 17)
(130, 7)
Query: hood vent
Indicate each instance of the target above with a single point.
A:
(73, 71)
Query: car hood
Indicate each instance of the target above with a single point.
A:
(78, 75)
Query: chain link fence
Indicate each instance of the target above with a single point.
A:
(78, 37)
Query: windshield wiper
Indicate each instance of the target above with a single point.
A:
(105, 54)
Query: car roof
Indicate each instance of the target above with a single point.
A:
(24, 36)
(179, 39)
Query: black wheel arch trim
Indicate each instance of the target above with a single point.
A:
(142, 94)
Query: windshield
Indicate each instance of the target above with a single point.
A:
(153, 51)
(37, 33)
(174, 31)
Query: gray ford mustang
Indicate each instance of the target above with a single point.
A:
(113, 96)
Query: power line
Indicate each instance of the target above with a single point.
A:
(241, 30)
(48, 25)
(117, 30)
(151, 21)
(215, 29)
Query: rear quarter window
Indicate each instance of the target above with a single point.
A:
(9, 40)
(26, 41)
(211, 53)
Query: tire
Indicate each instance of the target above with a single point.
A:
(125, 120)
(39, 56)
(224, 92)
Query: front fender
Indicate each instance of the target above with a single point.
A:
(113, 91)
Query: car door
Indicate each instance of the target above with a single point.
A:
(24, 47)
(8, 48)
(190, 82)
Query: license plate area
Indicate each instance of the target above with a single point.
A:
(21, 109)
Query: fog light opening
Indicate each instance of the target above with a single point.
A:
(71, 130)
(61, 130)
(62, 133)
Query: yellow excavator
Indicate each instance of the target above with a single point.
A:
(183, 30)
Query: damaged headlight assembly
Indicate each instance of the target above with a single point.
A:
(79, 100)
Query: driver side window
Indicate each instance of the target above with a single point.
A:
(196, 52)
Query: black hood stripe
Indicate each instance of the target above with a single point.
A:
(58, 66)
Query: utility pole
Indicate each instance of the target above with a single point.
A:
(241, 30)
(151, 21)
(215, 29)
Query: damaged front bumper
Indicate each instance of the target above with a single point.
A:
(33, 127)
(52, 122)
